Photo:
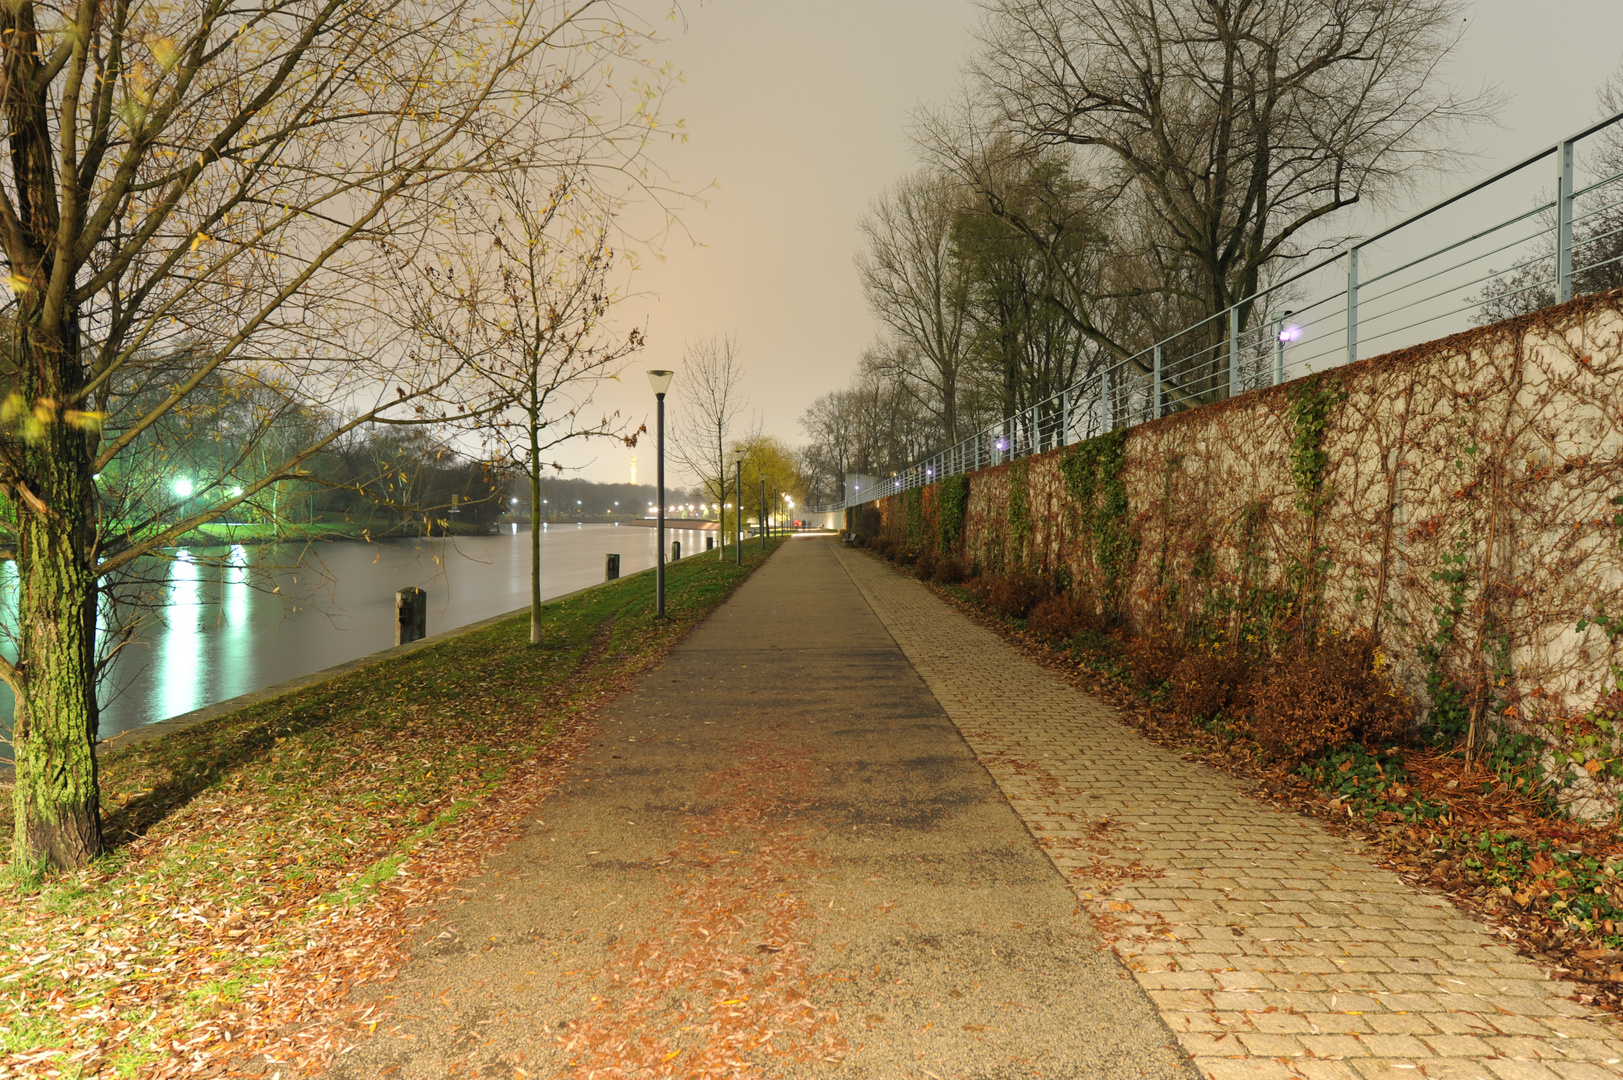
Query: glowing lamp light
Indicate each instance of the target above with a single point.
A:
(236, 493)
(1002, 445)
(183, 487)
(1289, 334)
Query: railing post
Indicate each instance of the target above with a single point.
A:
(1279, 352)
(1065, 417)
(1352, 304)
(1563, 224)
(1104, 401)
(1234, 350)
(1155, 384)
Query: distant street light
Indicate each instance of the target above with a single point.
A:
(660, 380)
(738, 513)
(183, 488)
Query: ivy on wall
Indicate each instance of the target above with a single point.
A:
(1465, 485)
(1093, 472)
(1311, 403)
(1020, 505)
(952, 502)
(915, 518)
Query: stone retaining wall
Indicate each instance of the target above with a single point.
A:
(1462, 499)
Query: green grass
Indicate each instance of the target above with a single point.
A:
(283, 813)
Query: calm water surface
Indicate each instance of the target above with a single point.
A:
(264, 617)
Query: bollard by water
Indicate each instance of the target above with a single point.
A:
(411, 615)
(710, 543)
(611, 567)
(676, 551)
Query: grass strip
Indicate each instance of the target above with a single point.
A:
(241, 846)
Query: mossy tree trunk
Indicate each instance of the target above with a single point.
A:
(55, 801)
(48, 479)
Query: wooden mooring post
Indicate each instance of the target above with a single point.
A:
(411, 615)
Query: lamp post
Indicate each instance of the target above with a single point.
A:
(738, 512)
(661, 382)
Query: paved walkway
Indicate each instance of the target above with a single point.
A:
(779, 860)
(1273, 948)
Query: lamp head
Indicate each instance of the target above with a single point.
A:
(660, 381)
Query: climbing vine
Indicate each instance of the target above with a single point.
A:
(1094, 478)
(915, 518)
(1467, 487)
(1311, 403)
(1020, 505)
(952, 503)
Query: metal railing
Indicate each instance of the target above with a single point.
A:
(1425, 277)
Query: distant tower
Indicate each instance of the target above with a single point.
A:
(633, 470)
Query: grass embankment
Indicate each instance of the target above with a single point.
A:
(1488, 831)
(268, 860)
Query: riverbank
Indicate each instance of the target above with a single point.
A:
(253, 854)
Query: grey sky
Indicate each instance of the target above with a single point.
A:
(798, 111)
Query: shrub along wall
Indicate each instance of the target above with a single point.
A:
(1459, 501)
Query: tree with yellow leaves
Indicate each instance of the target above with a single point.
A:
(248, 178)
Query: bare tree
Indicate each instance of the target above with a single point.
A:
(518, 301)
(830, 427)
(1597, 240)
(917, 286)
(1238, 126)
(246, 176)
(710, 414)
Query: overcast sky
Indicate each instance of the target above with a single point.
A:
(798, 113)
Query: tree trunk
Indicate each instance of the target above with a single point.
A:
(56, 802)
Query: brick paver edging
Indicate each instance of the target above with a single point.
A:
(1272, 947)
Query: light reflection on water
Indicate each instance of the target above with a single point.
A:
(223, 631)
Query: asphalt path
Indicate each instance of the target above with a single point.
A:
(779, 860)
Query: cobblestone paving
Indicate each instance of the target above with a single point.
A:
(1272, 947)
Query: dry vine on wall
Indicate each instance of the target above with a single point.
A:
(1458, 502)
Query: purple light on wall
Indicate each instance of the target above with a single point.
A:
(1002, 445)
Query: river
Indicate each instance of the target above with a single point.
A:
(237, 619)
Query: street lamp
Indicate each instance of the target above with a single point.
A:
(738, 513)
(661, 382)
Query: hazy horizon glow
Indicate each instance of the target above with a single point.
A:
(799, 114)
